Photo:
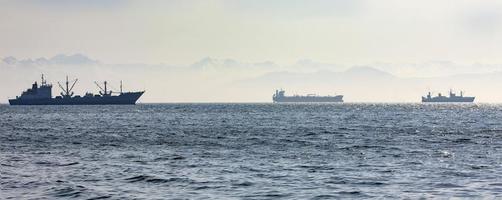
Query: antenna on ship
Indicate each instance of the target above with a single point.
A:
(43, 80)
(68, 91)
(120, 86)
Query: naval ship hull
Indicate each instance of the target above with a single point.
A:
(309, 99)
(448, 100)
(128, 98)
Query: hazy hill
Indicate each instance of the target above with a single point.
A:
(227, 80)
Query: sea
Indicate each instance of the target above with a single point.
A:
(251, 151)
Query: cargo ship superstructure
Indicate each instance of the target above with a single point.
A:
(280, 97)
(42, 95)
(451, 98)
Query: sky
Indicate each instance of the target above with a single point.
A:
(243, 41)
(183, 31)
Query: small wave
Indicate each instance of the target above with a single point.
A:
(109, 145)
(267, 196)
(337, 182)
(387, 171)
(68, 191)
(138, 178)
(152, 179)
(243, 184)
(463, 140)
(44, 163)
(42, 152)
(350, 193)
(479, 167)
(159, 180)
(140, 161)
(202, 187)
(69, 164)
(178, 157)
(6, 165)
(325, 196)
(250, 169)
(54, 164)
(372, 183)
(458, 173)
(30, 183)
(362, 147)
(172, 157)
(310, 134)
(100, 197)
(276, 195)
(447, 185)
(316, 167)
(415, 162)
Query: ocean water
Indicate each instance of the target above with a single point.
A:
(251, 151)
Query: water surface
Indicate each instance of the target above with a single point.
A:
(251, 151)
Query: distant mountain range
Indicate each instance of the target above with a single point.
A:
(211, 63)
(228, 80)
(60, 59)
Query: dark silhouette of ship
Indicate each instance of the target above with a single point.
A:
(451, 98)
(279, 97)
(42, 95)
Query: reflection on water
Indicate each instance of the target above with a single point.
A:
(319, 151)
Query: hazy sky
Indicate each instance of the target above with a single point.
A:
(241, 51)
(283, 31)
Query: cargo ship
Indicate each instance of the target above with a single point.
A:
(280, 97)
(451, 98)
(42, 95)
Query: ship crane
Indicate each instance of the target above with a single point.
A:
(104, 90)
(67, 92)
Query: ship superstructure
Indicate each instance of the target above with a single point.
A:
(452, 97)
(280, 97)
(42, 95)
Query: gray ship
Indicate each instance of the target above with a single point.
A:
(279, 97)
(451, 98)
(42, 95)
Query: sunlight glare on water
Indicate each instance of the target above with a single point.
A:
(251, 151)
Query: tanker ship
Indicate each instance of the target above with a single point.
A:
(280, 97)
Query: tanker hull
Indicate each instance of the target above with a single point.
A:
(280, 97)
(308, 99)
